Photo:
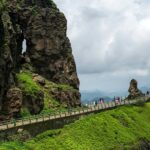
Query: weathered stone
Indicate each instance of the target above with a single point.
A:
(38, 79)
(13, 102)
(48, 51)
(134, 92)
(71, 98)
(34, 104)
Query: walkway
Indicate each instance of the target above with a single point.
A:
(83, 111)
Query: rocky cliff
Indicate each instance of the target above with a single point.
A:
(48, 55)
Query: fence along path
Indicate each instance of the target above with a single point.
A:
(83, 111)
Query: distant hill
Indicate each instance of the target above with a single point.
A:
(95, 95)
(144, 89)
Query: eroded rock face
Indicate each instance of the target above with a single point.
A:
(13, 103)
(134, 92)
(46, 37)
(35, 103)
(49, 51)
(38, 79)
(71, 98)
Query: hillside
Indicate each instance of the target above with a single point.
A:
(124, 128)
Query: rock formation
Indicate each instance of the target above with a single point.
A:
(48, 52)
(13, 102)
(134, 92)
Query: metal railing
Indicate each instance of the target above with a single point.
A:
(4, 125)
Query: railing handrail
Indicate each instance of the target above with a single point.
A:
(83, 110)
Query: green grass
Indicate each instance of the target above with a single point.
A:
(27, 84)
(119, 129)
(63, 87)
(30, 87)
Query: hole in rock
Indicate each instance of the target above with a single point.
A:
(24, 46)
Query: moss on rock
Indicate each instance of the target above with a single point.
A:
(27, 84)
(53, 101)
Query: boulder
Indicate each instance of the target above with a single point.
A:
(13, 102)
(39, 79)
(34, 103)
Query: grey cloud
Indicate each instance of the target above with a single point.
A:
(109, 37)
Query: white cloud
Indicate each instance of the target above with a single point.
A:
(109, 37)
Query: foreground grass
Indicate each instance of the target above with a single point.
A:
(120, 129)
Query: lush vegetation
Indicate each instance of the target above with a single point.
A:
(124, 128)
(30, 87)
(27, 84)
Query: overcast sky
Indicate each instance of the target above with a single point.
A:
(110, 41)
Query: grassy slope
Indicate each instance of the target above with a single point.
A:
(30, 87)
(117, 129)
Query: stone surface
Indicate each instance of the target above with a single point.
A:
(13, 102)
(34, 104)
(38, 79)
(49, 51)
(71, 98)
(134, 92)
